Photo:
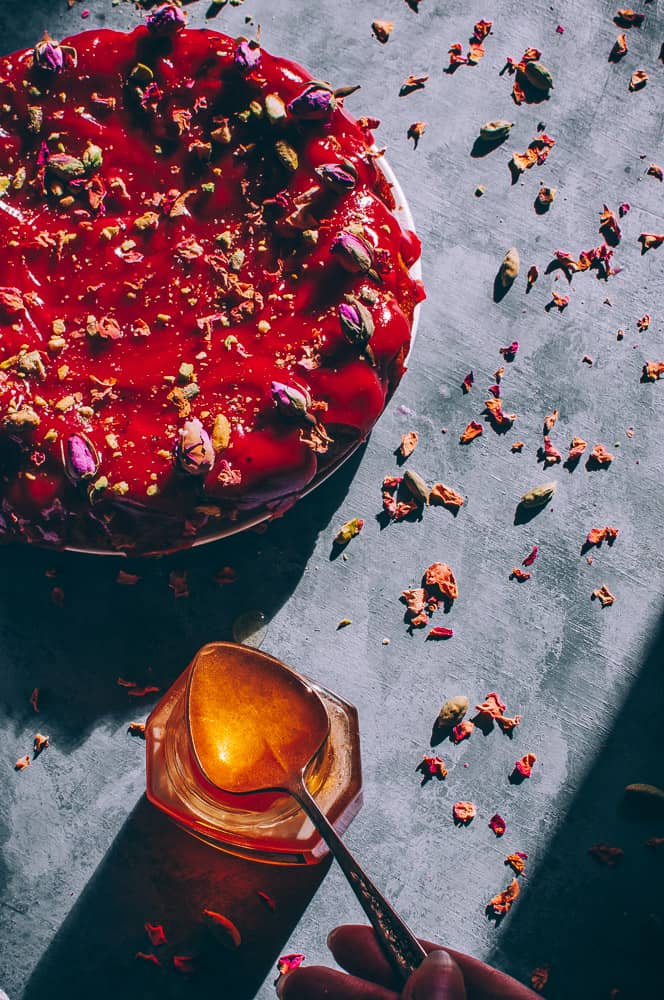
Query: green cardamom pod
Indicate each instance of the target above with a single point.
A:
(491, 131)
(539, 495)
(416, 486)
(509, 267)
(538, 75)
(286, 155)
(452, 712)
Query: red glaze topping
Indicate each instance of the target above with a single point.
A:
(204, 292)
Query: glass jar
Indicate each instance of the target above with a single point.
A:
(268, 826)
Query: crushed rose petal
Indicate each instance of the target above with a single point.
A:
(289, 962)
(598, 535)
(473, 430)
(408, 443)
(464, 812)
(415, 132)
(445, 496)
(155, 933)
(600, 455)
(576, 449)
(517, 446)
(524, 765)
(501, 903)
(462, 731)
(531, 557)
(432, 767)
(467, 382)
(177, 581)
(604, 596)
(440, 575)
(497, 824)
(22, 763)
(539, 977)
(492, 706)
(517, 861)
(519, 574)
(440, 633)
(605, 854)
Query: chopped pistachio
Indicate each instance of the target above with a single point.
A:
(65, 404)
(121, 488)
(58, 326)
(112, 441)
(152, 490)
(264, 326)
(236, 260)
(186, 371)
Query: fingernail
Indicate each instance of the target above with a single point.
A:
(331, 936)
(280, 985)
(440, 959)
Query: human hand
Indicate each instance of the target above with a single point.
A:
(370, 976)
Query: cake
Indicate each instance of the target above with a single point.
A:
(205, 298)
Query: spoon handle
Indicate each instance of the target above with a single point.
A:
(396, 939)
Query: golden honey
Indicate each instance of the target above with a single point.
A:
(224, 728)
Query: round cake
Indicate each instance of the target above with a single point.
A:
(205, 298)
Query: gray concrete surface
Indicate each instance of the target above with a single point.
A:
(84, 860)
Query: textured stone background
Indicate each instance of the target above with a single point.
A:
(85, 861)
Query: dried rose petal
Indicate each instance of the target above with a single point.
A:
(432, 767)
(183, 963)
(643, 323)
(445, 496)
(604, 596)
(539, 977)
(145, 956)
(650, 241)
(467, 382)
(289, 962)
(493, 705)
(517, 861)
(408, 443)
(382, 30)
(473, 430)
(440, 633)
(509, 352)
(608, 226)
(482, 29)
(531, 557)
(462, 731)
(652, 371)
(464, 812)
(576, 449)
(517, 446)
(136, 729)
(508, 724)
(416, 606)
(412, 83)
(141, 692)
(550, 454)
(524, 765)
(34, 700)
(629, 19)
(600, 455)
(638, 80)
(156, 934)
(501, 903)
(497, 824)
(39, 743)
(519, 574)
(559, 301)
(267, 899)
(606, 855)
(415, 132)
(598, 535)
(22, 763)
(440, 575)
(127, 579)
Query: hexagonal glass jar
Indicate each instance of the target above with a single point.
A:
(266, 827)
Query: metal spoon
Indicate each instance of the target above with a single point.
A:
(250, 714)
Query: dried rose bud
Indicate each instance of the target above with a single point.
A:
(291, 401)
(315, 103)
(48, 55)
(166, 20)
(338, 176)
(193, 450)
(357, 324)
(80, 458)
(355, 254)
(247, 55)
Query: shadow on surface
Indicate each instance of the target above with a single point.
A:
(74, 653)
(601, 928)
(156, 873)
